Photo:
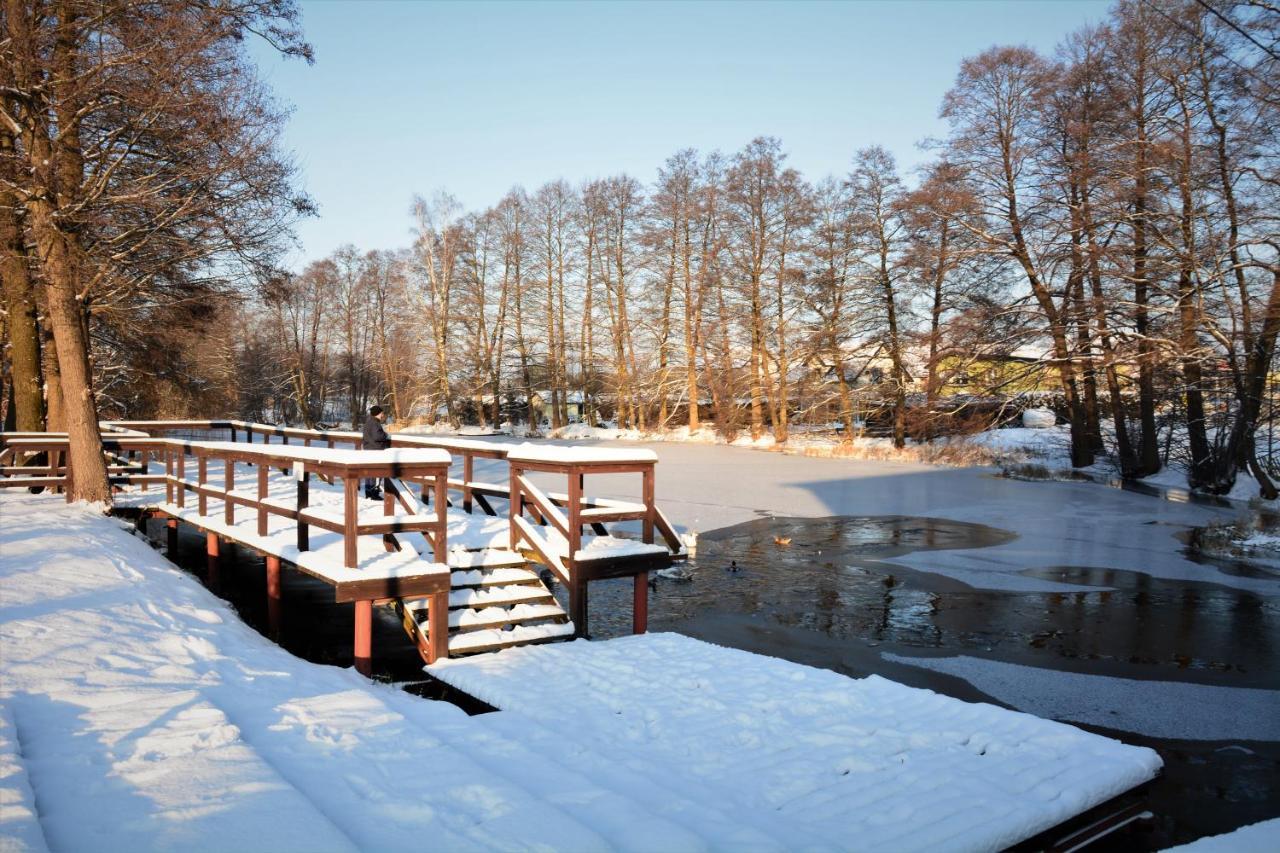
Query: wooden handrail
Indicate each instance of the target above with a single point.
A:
(545, 507)
(142, 435)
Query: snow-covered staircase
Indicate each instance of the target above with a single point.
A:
(496, 601)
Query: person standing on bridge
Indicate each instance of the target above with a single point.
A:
(374, 438)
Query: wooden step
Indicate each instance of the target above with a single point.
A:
(499, 595)
(493, 596)
(475, 642)
(485, 558)
(497, 617)
(494, 577)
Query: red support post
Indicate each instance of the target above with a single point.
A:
(438, 626)
(171, 539)
(212, 558)
(273, 595)
(364, 638)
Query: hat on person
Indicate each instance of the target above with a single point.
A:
(375, 410)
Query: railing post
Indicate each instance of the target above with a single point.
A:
(304, 498)
(168, 475)
(441, 554)
(171, 539)
(202, 476)
(364, 638)
(516, 501)
(468, 473)
(648, 503)
(575, 516)
(350, 512)
(262, 496)
(181, 454)
(228, 503)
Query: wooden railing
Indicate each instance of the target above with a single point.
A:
(42, 460)
(576, 568)
(472, 492)
(431, 469)
(132, 447)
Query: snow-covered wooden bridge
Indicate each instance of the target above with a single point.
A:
(463, 581)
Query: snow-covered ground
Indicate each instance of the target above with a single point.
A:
(138, 713)
(808, 754)
(1261, 837)
(1164, 709)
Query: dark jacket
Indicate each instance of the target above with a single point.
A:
(375, 437)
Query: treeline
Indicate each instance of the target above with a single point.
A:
(140, 180)
(1112, 207)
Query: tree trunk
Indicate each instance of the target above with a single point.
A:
(20, 307)
(88, 466)
(57, 170)
(55, 411)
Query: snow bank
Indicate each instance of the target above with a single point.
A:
(1051, 444)
(812, 755)
(1039, 418)
(1165, 709)
(583, 432)
(1263, 837)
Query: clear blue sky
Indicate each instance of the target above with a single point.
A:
(410, 97)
